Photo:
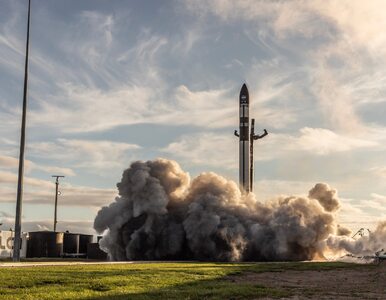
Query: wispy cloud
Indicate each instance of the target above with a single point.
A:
(11, 178)
(206, 148)
(315, 70)
(379, 171)
(9, 162)
(341, 48)
(89, 154)
(38, 191)
(74, 226)
(323, 141)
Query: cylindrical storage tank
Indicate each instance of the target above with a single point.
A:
(84, 240)
(45, 244)
(94, 252)
(70, 243)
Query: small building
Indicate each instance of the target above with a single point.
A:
(6, 244)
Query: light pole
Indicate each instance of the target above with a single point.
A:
(19, 199)
(56, 199)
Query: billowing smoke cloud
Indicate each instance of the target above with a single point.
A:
(366, 245)
(161, 214)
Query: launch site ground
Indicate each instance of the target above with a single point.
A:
(177, 280)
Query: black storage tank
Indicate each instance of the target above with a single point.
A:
(94, 252)
(45, 244)
(70, 243)
(84, 240)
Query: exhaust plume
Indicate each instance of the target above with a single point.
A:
(162, 214)
(365, 245)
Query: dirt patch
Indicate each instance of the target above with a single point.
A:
(367, 282)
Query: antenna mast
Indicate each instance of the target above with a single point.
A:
(19, 199)
(252, 138)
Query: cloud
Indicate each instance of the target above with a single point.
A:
(3, 214)
(208, 108)
(11, 178)
(146, 50)
(128, 105)
(207, 149)
(340, 50)
(214, 108)
(11, 47)
(221, 150)
(266, 189)
(348, 16)
(335, 101)
(54, 170)
(89, 41)
(315, 70)
(37, 191)
(316, 141)
(380, 199)
(304, 17)
(188, 39)
(359, 213)
(379, 171)
(73, 226)
(9, 162)
(99, 23)
(87, 154)
(134, 105)
(373, 204)
(278, 95)
(106, 86)
(323, 141)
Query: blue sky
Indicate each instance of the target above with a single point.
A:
(117, 81)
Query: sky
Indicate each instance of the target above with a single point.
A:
(116, 81)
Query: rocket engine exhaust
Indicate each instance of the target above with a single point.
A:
(162, 214)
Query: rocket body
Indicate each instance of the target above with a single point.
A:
(244, 150)
(246, 138)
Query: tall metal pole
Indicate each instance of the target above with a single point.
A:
(19, 199)
(56, 199)
(253, 138)
(251, 161)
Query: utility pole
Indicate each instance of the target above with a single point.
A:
(56, 198)
(19, 199)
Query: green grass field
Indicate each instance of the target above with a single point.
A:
(145, 281)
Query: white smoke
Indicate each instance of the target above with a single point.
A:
(161, 214)
(365, 245)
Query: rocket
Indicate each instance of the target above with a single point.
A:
(244, 165)
(246, 138)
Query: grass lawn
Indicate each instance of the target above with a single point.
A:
(145, 281)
